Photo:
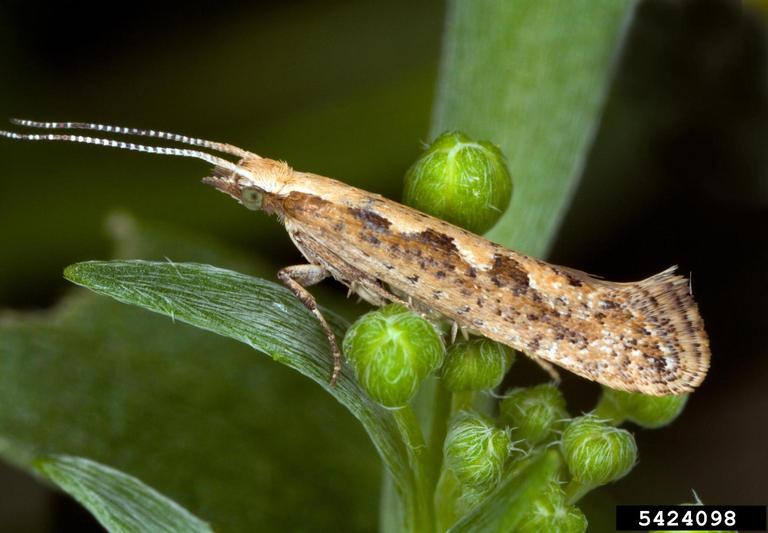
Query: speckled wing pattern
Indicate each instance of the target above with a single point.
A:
(645, 336)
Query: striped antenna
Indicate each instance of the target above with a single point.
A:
(175, 137)
(162, 150)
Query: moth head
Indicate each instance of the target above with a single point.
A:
(254, 181)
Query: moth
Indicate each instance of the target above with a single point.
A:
(646, 336)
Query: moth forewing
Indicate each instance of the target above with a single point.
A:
(645, 337)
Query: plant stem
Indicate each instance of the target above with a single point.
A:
(462, 401)
(420, 504)
(447, 491)
(441, 412)
(608, 410)
(576, 490)
(446, 496)
(505, 508)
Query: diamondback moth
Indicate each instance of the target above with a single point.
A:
(645, 336)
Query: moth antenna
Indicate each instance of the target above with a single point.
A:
(162, 150)
(175, 137)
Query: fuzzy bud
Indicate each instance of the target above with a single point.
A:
(475, 451)
(549, 512)
(392, 351)
(642, 409)
(475, 365)
(596, 452)
(535, 413)
(460, 180)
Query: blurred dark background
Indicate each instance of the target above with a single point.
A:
(678, 175)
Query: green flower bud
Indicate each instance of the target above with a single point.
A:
(475, 451)
(550, 512)
(392, 351)
(596, 453)
(477, 364)
(462, 181)
(534, 413)
(642, 409)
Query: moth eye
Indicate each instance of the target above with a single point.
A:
(252, 199)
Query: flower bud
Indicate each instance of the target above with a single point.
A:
(549, 512)
(392, 351)
(475, 451)
(534, 413)
(462, 181)
(596, 452)
(475, 365)
(642, 409)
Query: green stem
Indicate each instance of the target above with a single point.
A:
(505, 508)
(462, 401)
(576, 490)
(441, 412)
(608, 410)
(444, 492)
(447, 494)
(420, 500)
(447, 491)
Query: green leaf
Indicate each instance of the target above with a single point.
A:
(532, 77)
(508, 505)
(121, 503)
(259, 313)
(238, 440)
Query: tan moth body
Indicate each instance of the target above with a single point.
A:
(646, 336)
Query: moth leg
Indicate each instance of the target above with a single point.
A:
(549, 368)
(296, 278)
(374, 293)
